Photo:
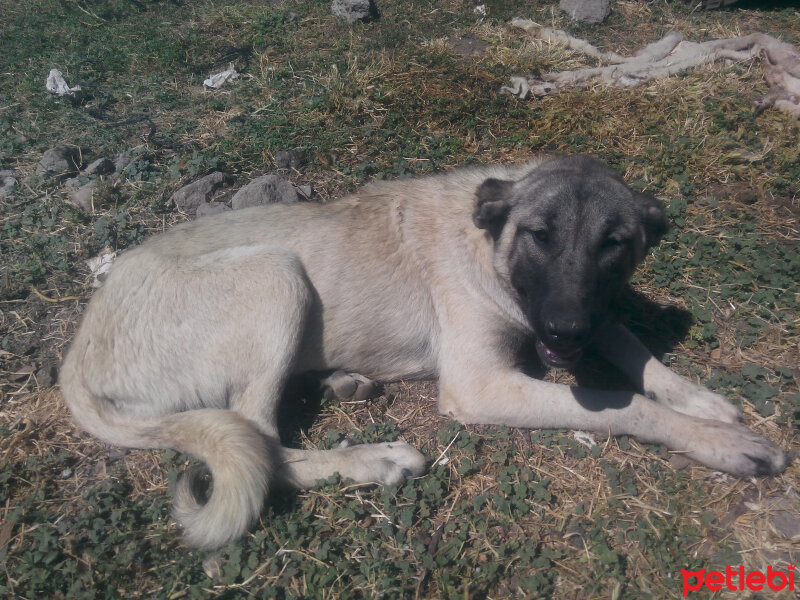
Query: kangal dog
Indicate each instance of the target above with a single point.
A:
(190, 341)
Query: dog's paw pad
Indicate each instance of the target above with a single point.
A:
(349, 386)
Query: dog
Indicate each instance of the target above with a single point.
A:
(190, 341)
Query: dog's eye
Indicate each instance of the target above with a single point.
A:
(611, 244)
(541, 236)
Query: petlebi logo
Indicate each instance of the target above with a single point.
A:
(736, 579)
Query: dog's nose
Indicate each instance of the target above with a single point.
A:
(566, 332)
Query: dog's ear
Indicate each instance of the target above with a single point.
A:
(492, 205)
(654, 219)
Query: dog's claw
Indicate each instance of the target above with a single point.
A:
(737, 450)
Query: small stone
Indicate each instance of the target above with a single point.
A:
(61, 160)
(123, 160)
(586, 11)
(8, 184)
(748, 196)
(189, 197)
(679, 461)
(267, 189)
(211, 208)
(354, 10)
(306, 191)
(787, 524)
(82, 196)
(289, 159)
(47, 376)
(76, 182)
(101, 166)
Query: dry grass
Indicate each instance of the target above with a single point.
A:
(619, 521)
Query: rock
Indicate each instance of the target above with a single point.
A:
(289, 159)
(61, 160)
(354, 10)
(123, 160)
(101, 166)
(189, 197)
(266, 189)
(82, 196)
(586, 11)
(47, 376)
(76, 182)
(467, 45)
(7, 184)
(787, 524)
(306, 191)
(211, 208)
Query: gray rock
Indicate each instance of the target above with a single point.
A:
(189, 197)
(61, 160)
(306, 191)
(266, 189)
(354, 10)
(586, 11)
(123, 160)
(76, 182)
(47, 376)
(289, 159)
(101, 166)
(8, 184)
(787, 523)
(82, 196)
(211, 208)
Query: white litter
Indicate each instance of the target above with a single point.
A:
(584, 438)
(217, 80)
(57, 85)
(719, 477)
(100, 266)
(480, 10)
(519, 87)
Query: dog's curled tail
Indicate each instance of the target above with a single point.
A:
(234, 451)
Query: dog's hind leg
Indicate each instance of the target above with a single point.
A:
(389, 463)
(276, 307)
(656, 381)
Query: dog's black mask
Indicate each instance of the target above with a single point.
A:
(572, 233)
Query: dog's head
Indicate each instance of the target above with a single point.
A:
(568, 236)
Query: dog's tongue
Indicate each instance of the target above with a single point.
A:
(559, 360)
(561, 355)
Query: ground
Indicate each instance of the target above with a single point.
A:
(502, 512)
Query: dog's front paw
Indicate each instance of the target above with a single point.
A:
(349, 386)
(390, 463)
(733, 448)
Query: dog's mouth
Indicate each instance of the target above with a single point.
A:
(558, 359)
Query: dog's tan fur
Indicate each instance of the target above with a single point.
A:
(190, 341)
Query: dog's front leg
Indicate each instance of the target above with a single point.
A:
(657, 381)
(471, 393)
